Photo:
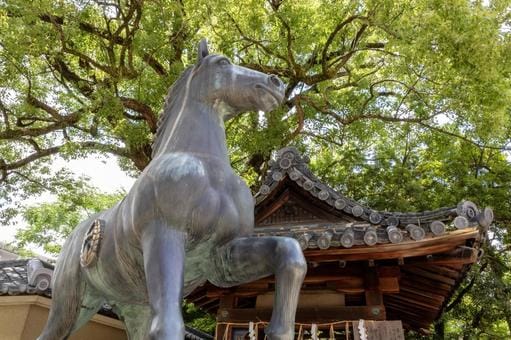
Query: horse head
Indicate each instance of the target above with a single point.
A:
(234, 89)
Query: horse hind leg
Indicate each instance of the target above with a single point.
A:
(71, 308)
(72, 302)
(136, 319)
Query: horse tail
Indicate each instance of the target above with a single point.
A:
(67, 291)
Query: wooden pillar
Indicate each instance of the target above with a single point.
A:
(373, 294)
(226, 303)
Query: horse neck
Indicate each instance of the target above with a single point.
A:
(198, 129)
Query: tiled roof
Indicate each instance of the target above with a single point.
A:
(366, 226)
(7, 255)
(33, 277)
(25, 277)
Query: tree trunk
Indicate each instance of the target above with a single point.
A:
(439, 330)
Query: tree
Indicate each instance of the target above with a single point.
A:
(403, 105)
(48, 224)
(90, 76)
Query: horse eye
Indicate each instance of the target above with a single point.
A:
(224, 62)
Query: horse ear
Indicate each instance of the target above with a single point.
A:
(203, 50)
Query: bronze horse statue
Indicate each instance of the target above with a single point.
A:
(186, 220)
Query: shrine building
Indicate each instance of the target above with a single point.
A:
(372, 272)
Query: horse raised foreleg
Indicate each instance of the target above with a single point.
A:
(247, 259)
(164, 252)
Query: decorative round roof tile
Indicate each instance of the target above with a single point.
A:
(308, 185)
(285, 163)
(339, 204)
(324, 240)
(461, 222)
(392, 221)
(303, 240)
(288, 155)
(357, 211)
(347, 238)
(277, 176)
(467, 209)
(264, 190)
(486, 217)
(394, 234)
(415, 232)
(370, 237)
(294, 175)
(323, 195)
(375, 217)
(437, 227)
(43, 283)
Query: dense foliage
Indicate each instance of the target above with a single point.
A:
(404, 105)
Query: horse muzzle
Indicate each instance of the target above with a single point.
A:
(271, 92)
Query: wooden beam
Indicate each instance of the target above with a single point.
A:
(416, 313)
(428, 246)
(343, 280)
(410, 320)
(389, 285)
(436, 297)
(413, 281)
(269, 210)
(453, 274)
(431, 300)
(457, 257)
(227, 301)
(305, 315)
(430, 275)
(207, 304)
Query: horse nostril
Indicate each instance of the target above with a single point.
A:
(275, 81)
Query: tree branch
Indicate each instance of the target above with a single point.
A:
(43, 106)
(465, 290)
(4, 167)
(146, 111)
(331, 37)
(34, 132)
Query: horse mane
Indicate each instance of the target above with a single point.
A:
(173, 96)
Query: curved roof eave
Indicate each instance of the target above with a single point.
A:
(292, 165)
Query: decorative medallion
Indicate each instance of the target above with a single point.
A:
(91, 243)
